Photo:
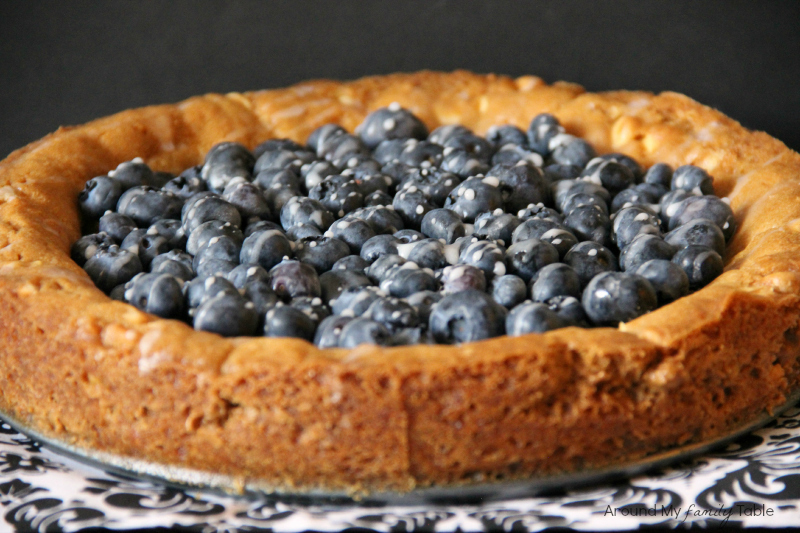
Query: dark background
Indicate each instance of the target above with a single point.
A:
(68, 62)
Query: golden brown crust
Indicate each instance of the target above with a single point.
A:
(102, 375)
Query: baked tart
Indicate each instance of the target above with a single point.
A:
(448, 375)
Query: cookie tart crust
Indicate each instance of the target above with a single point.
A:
(98, 374)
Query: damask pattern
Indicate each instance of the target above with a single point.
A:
(755, 481)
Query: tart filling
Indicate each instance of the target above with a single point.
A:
(394, 235)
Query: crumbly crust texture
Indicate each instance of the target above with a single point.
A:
(101, 375)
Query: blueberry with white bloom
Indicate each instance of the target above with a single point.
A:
(441, 134)
(244, 274)
(358, 166)
(175, 262)
(212, 266)
(377, 198)
(206, 231)
(474, 145)
(634, 196)
(506, 134)
(462, 163)
(427, 253)
(659, 174)
(442, 224)
(221, 247)
(624, 160)
(392, 122)
(271, 180)
(457, 278)
(276, 144)
(116, 225)
(508, 290)
(533, 317)
(667, 278)
(340, 147)
(263, 297)
(402, 282)
(412, 204)
(287, 321)
(265, 248)
(145, 205)
(260, 225)
(520, 185)
(306, 211)
(473, 197)
(557, 172)
(708, 207)
(435, 183)
(144, 245)
(497, 226)
(210, 208)
(614, 297)
(330, 330)
(488, 256)
(156, 293)
(512, 154)
(379, 245)
(467, 316)
(313, 173)
(302, 231)
(248, 199)
(669, 203)
(555, 279)
(565, 188)
(421, 154)
(562, 239)
(314, 308)
(405, 236)
(642, 248)
(282, 158)
(652, 190)
(382, 219)
(170, 229)
(352, 231)
(540, 211)
(541, 130)
(133, 173)
(111, 266)
(423, 302)
(525, 258)
(322, 134)
(354, 301)
(333, 282)
(393, 313)
(224, 162)
(291, 279)
(566, 149)
(227, 315)
(570, 309)
(185, 186)
(613, 176)
(534, 228)
(589, 223)
(353, 263)
(380, 268)
(339, 194)
(99, 195)
(692, 178)
(201, 289)
(583, 199)
(699, 231)
(590, 259)
(632, 221)
(321, 252)
(363, 331)
(411, 336)
(701, 264)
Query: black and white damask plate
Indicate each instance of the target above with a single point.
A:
(754, 480)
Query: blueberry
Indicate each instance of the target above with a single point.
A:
(466, 316)
(227, 315)
(699, 231)
(276, 144)
(322, 135)
(224, 162)
(287, 321)
(541, 130)
(247, 198)
(633, 197)
(659, 174)
(555, 279)
(377, 198)
(306, 211)
(459, 278)
(692, 178)
(302, 231)
(283, 158)
(525, 258)
(206, 231)
(333, 282)
(570, 309)
(157, 293)
(111, 266)
(363, 331)
(352, 231)
(512, 154)
(175, 262)
(669, 203)
(291, 279)
(88, 245)
(590, 259)
(144, 245)
(562, 239)
(277, 179)
(221, 247)
(708, 207)
(624, 160)
(382, 219)
(314, 308)
(508, 290)
(99, 195)
(533, 317)
(442, 224)
(534, 228)
(473, 197)
(540, 211)
(486, 255)
(667, 278)
(339, 194)
(353, 263)
(462, 163)
(411, 336)
(262, 296)
(393, 313)
(193, 199)
(372, 182)
(321, 252)
(436, 184)
(354, 301)
(185, 186)
(701, 264)
(118, 293)
(242, 275)
(423, 302)
(405, 280)
(330, 330)
(506, 134)
(389, 151)
(133, 173)
(212, 266)
(556, 172)
(339, 148)
(170, 229)
(520, 185)
(379, 269)
(632, 221)
(589, 223)
(260, 225)
(583, 199)
(379, 245)
(443, 133)
(412, 204)
(642, 248)
(427, 253)
(358, 166)
(568, 150)
(210, 208)
(313, 173)
(265, 248)
(565, 188)
(476, 146)
(202, 289)
(614, 297)
(146, 205)
(392, 122)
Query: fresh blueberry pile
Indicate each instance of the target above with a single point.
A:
(394, 235)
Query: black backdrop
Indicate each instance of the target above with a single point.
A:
(68, 62)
